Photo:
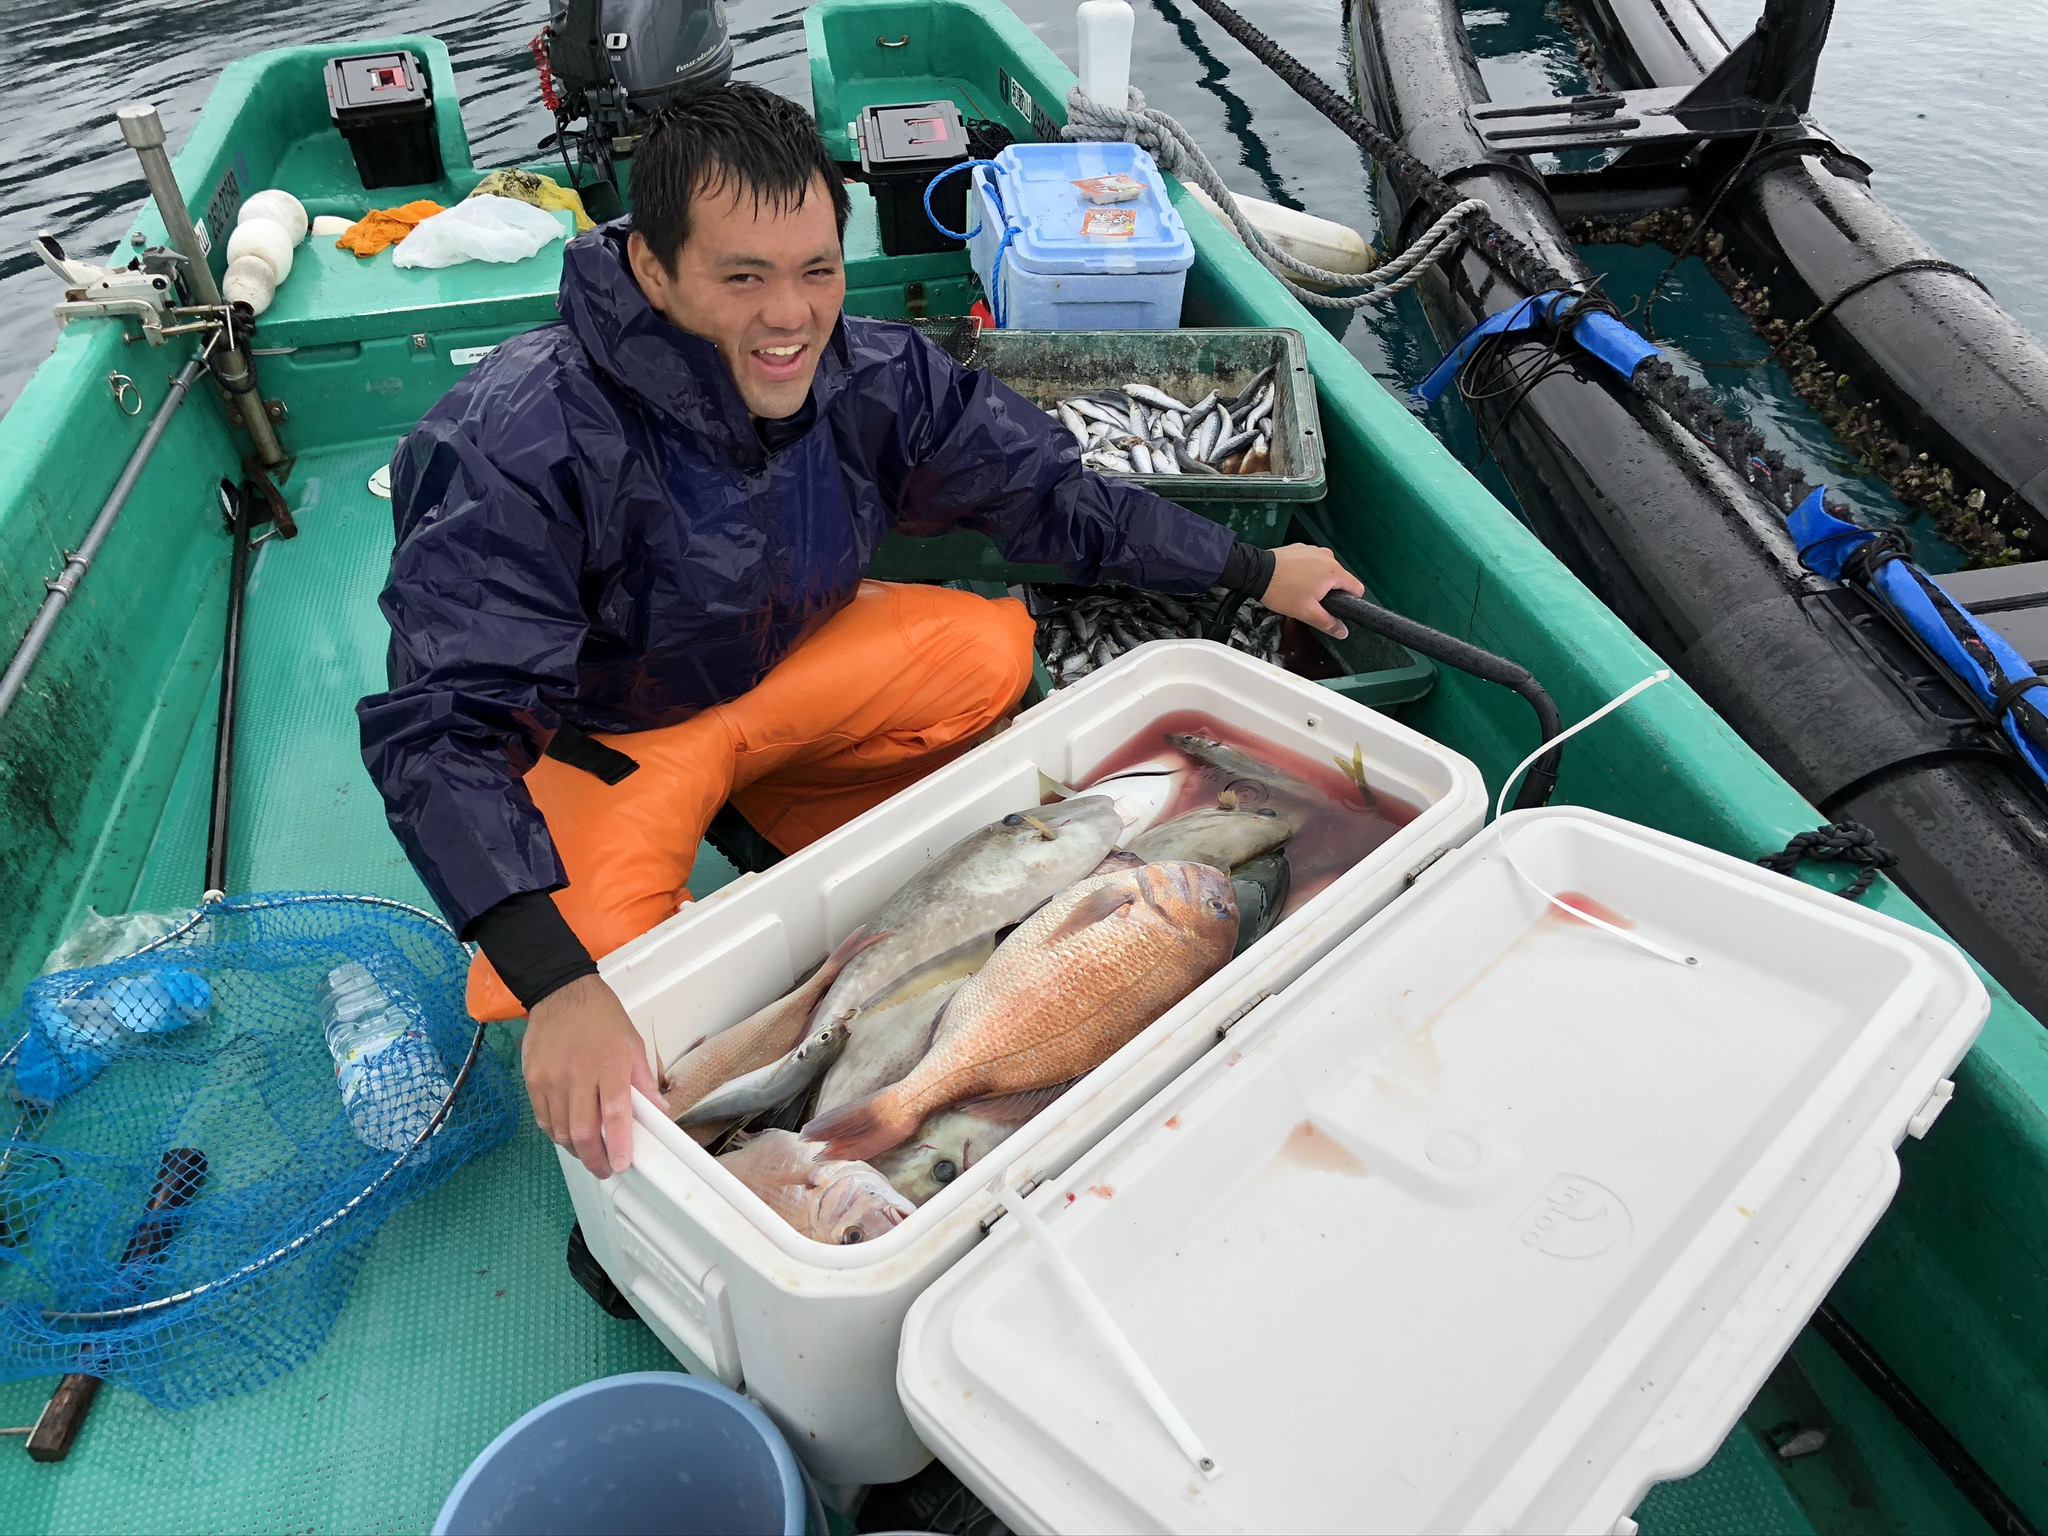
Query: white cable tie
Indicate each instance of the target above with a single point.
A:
(1662, 674)
(1083, 1296)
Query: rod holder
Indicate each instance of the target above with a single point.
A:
(143, 131)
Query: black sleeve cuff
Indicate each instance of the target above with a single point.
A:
(1247, 569)
(532, 946)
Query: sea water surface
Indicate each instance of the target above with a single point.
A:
(1942, 97)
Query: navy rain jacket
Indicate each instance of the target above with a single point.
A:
(591, 529)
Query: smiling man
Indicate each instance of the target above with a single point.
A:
(629, 583)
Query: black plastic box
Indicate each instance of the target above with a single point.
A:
(384, 106)
(901, 149)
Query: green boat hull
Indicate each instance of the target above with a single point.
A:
(464, 1315)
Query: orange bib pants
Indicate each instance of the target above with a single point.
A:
(900, 681)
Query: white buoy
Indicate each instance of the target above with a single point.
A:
(332, 224)
(1105, 27)
(280, 207)
(249, 281)
(266, 240)
(1320, 242)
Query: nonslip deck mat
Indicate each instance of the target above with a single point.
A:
(464, 1314)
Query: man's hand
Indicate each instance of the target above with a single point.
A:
(583, 1058)
(1302, 575)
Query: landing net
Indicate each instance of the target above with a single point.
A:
(184, 1200)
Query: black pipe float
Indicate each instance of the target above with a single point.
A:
(1700, 566)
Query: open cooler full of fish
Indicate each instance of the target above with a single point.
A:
(1497, 1216)
(1314, 813)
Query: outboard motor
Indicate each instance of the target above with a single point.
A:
(612, 64)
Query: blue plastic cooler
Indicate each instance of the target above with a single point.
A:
(1042, 273)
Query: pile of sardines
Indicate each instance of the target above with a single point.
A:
(1139, 430)
(1009, 967)
(1076, 637)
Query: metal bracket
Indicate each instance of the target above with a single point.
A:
(93, 292)
(1765, 84)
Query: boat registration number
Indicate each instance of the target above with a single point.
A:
(1028, 108)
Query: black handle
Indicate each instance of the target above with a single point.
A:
(178, 1178)
(1466, 657)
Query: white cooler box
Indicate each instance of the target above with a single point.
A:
(1490, 1221)
(810, 1330)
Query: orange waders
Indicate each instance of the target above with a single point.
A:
(897, 683)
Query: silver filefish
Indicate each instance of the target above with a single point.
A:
(1222, 839)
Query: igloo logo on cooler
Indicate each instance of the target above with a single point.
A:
(1576, 1218)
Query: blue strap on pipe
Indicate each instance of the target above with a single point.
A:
(1010, 231)
(1995, 674)
(1597, 332)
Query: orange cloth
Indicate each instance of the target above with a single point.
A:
(899, 682)
(385, 226)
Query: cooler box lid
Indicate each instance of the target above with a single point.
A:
(917, 136)
(1491, 1220)
(369, 87)
(1035, 183)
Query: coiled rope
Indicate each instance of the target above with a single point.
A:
(1737, 444)
(1176, 153)
(1847, 840)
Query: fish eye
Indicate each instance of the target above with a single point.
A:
(852, 1235)
(1014, 819)
(944, 1171)
(1265, 810)
(1219, 909)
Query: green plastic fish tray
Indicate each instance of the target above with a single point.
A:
(1048, 366)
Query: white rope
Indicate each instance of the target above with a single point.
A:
(1177, 154)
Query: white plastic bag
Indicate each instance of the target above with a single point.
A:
(483, 228)
(97, 939)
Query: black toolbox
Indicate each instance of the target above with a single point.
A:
(901, 149)
(384, 106)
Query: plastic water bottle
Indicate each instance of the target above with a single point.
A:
(391, 1077)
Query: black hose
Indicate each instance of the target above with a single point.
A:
(243, 514)
(1466, 657)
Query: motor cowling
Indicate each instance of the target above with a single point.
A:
(618, 61)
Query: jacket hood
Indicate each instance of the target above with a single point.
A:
(676, 372)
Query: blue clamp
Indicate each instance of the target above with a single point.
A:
(1597, 332)
(1977, 656)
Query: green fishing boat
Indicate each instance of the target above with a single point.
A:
(1928, 1375)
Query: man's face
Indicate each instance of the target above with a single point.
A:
(764, 285)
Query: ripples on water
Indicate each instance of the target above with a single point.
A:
(1949, 111)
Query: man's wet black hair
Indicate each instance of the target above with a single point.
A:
(734, 136)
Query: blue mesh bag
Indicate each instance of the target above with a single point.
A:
(192, 1175)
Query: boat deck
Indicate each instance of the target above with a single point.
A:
(465, 1315)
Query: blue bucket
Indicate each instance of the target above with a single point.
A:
(653, 1452)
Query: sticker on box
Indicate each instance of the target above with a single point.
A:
(1120, 222)
(1113, 188)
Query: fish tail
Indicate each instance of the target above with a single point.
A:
(864, 1128)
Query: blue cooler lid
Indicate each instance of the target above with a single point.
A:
(1036, 185)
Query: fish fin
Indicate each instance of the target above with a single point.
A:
(860, 1130)
(849, 946)
(1091, 909)
(1014, 1109)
